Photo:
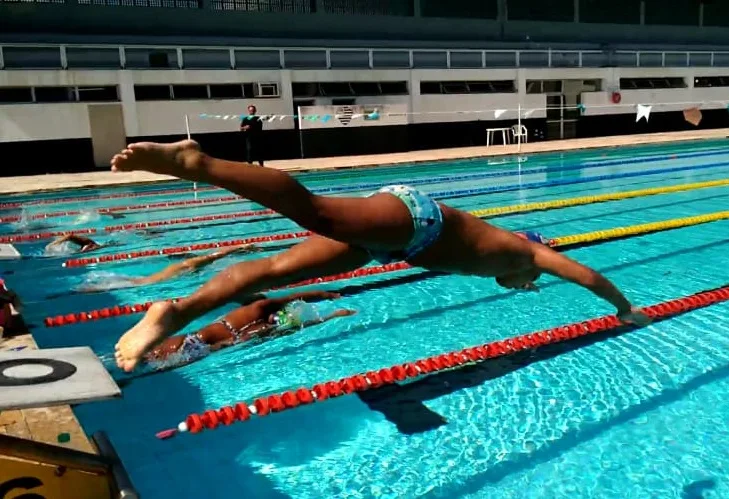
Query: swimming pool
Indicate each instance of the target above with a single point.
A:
(637, 415)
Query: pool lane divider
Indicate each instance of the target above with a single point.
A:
(117, 209)
(486, 212)
(162, 192)
(372, 185)
(255, 213)
(265, 405)
(560, 243)
(120, 195)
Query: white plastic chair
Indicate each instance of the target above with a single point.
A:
(516, 132)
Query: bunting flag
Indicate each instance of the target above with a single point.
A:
(346, 114)
(643, 112)
(693, 116)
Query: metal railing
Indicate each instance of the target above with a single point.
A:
(88, 56)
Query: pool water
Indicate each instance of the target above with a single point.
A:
(637, 415)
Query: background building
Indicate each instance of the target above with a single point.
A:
(79, 78)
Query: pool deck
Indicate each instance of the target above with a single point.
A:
(45, 424)
(106, 178)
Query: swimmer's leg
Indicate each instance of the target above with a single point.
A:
(315, 257)
(380, 221)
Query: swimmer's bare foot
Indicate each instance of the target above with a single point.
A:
(166, 159)
(160, 321)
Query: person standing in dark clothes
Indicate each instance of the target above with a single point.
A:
(252, 128)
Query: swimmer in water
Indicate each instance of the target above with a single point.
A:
(85, 244)
(397, 223)
(189, 265)
(258, 320)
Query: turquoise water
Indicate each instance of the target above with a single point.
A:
(638, 415)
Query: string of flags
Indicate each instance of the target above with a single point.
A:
(692, 113)
(309, 117)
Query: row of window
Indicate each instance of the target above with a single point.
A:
(651, 83)
(54, 94)
(47, 95)
(211, 91)
(711, 81)
(467, 87)
(349, 89)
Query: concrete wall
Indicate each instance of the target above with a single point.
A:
(44, 122)
(20, 122)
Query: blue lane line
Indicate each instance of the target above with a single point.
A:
(435, 180)
(473, 176)
(552, 183)
(497, 189)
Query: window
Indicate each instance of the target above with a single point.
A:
(364, 88)
(552, 86)
(190, 92)
(266, 90)
(650, 83)
(305, 89)
(454, 87)
(711, 81)
(98, 94)
(335, 89)
(501, 86)
(467, 87)
(226, 91)
(346, 89)
(15, 95)
(55, 94)
(394, 87)
(430, 87)
(152, 92)
(159, 60)
(591, 85)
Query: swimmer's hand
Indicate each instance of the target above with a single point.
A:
(342, 313)
(634, 316)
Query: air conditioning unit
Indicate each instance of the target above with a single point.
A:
(266, 90)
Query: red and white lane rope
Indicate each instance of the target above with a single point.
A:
(120, 195)
(116, 311)
(43, 235)
(172, 250)
(263, 406)
(117, 209)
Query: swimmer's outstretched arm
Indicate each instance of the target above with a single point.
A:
(75, 239)
(554, 263)
(192, 264)
(307, 296)
(337, 313)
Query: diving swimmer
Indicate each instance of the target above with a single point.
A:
(258, 320)
(394, 224)
(189, 265)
